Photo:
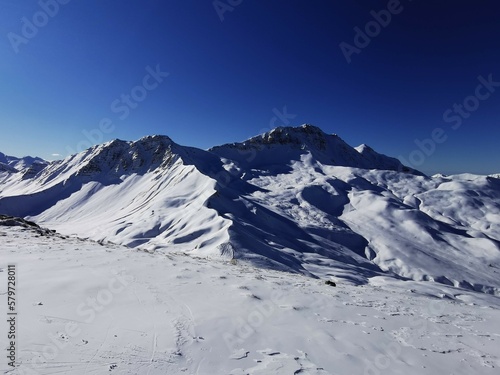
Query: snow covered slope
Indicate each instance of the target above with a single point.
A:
(135, 193)
(108, 309)
(293, 199)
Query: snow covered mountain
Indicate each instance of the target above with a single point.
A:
(292, 199)
(13, 164)
(282, 145)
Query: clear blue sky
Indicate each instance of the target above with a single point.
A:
(227, 79)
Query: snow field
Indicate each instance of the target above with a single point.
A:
(86, 308)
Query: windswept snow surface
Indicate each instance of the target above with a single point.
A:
(293, 199)
(89, 308)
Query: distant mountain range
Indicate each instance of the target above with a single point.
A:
(13, 164)
(294, 199)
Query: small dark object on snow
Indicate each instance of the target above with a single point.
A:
(331, 283)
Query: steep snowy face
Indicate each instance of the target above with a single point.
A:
(146, 193)
(285, 144)
(104, 163)
(109, 161)
(33, 170)
(119, 157)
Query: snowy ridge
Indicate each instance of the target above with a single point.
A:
(135, 193)
(293, 199)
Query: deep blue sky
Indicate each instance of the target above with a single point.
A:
(228, 78)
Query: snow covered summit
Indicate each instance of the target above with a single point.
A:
(283, 144)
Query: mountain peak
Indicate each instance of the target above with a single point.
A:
(155, 137)
(303, 136)
(284, 144)
(118, 157)
(306, 129)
